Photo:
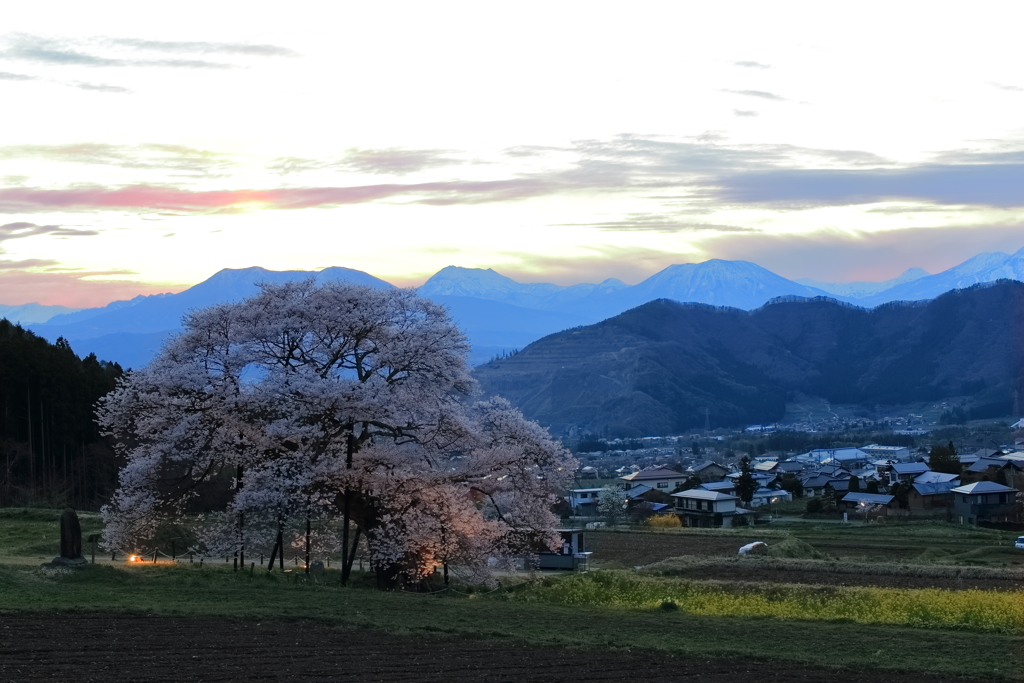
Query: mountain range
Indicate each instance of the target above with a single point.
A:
(860, 289)
(656, 368)
(26, 314)
(497, 313)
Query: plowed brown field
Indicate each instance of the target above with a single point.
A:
(156, 649)
(624, 549)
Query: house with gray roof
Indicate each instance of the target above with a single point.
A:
(790, 467)
(660, 477)
(931, 477)
(984, 501)
(766, 496)
(932, 499)
(1001, 469)
(708, 471)
(584, 501)
(898, 453)
(847, 457)
(906, 471)
(817, 484)
(727, 486)
(857, 502)
(700, 508)
(642, 493)
(838, 486)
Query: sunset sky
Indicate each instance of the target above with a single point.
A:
(145, 146)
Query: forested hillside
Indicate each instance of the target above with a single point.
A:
(50, 449)
(655, 369)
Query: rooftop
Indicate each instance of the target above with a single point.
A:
(650, 473)
(839, 454)
(701, 494)
(718, 486)
(909, 467)
(638, 490)
(872, 498)
(934, 488)
(982, 487)
(698, 466)
(983, 464)
(930, 477)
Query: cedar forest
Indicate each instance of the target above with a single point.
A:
(51, 451)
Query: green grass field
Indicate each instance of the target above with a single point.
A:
(34, 533)
(978, 634)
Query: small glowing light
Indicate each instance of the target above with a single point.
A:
(134, 558)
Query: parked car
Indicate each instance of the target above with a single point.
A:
(1019, 543)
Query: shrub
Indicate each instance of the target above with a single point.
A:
(933, 555)
(794, 547)
(664, 522)
(814, 505)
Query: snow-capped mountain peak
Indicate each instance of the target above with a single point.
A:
(859, 289)
(987, 267)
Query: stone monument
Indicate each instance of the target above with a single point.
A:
(70, 542)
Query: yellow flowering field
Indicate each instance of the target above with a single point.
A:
(1000, 611)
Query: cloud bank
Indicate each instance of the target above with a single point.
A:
(21, 229)
(688, 171)
(996, 185)
(109, 52)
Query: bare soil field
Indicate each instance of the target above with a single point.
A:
(155, 649)
(738, 572)
(641, 549)
(636, 549)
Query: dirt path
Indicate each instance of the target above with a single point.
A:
(154, 649)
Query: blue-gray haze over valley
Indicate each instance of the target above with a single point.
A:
(497, 313)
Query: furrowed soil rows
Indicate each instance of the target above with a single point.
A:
(632, 549)
(617, 549)
(155, 649)
(753, 573)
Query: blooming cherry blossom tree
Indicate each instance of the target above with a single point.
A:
(336, 398)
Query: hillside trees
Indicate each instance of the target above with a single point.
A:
(671, 362)
(50, 447)
(338, 400)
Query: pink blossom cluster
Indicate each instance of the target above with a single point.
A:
(307, 396)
